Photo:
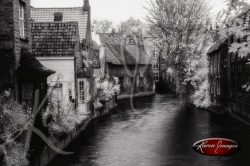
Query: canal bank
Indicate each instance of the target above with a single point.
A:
(100, 110)
(47, 154)
(137, 95)
(231, 111)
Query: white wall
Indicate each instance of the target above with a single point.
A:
(64, 66)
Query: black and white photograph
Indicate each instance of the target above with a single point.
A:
(124, 82)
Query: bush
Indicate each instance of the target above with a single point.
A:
(13, 119)
(61, 121)
(107, 87)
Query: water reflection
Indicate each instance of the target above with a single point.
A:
(158, 133)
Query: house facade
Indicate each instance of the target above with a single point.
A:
(20, 72)
(217, 56)
(164, 82)
(56, 45)
(125, 57)
(80, 59)
(229, 77)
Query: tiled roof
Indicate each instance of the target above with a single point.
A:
(125, 58)
(115, 56)
(54, 39)
(30, 66)
(144, 58)
(76, 14)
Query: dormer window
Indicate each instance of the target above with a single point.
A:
(21, 19)
(130, 41)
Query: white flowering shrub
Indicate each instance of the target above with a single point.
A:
(197, 77)
(107, 87)
(61, 121)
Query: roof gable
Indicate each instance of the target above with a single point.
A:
(76, 14)
(130, 51)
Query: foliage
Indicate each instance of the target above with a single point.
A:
(199, 80)
(234, 21)
(182, 28)
(61, 121)
(130, 25)
(102, 26)
(107, 87)
(14, 119)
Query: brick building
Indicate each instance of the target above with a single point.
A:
(229, 76)
(15, 56)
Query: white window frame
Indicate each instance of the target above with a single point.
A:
(22, 19)
(81, 91)
(156, 54)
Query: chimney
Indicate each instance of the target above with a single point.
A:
(58, 16)
(86, 5)
(113, 31)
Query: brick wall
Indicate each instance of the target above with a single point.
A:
(10, 42)
(21, 43)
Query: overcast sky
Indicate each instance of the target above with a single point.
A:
(114, 10)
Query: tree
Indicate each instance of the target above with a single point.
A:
(234, 22)
(182, 27)
(102, 26)
(130, 25)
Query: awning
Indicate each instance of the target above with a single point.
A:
(30, 66)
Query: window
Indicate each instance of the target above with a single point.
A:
(81, 91)
(218, 87)
(21, 20)
(156, 66)
(218, 62)
(155, 54)
(27, 91)
(156, 76)
(96, 63)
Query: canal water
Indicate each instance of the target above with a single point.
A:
(156, 133)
